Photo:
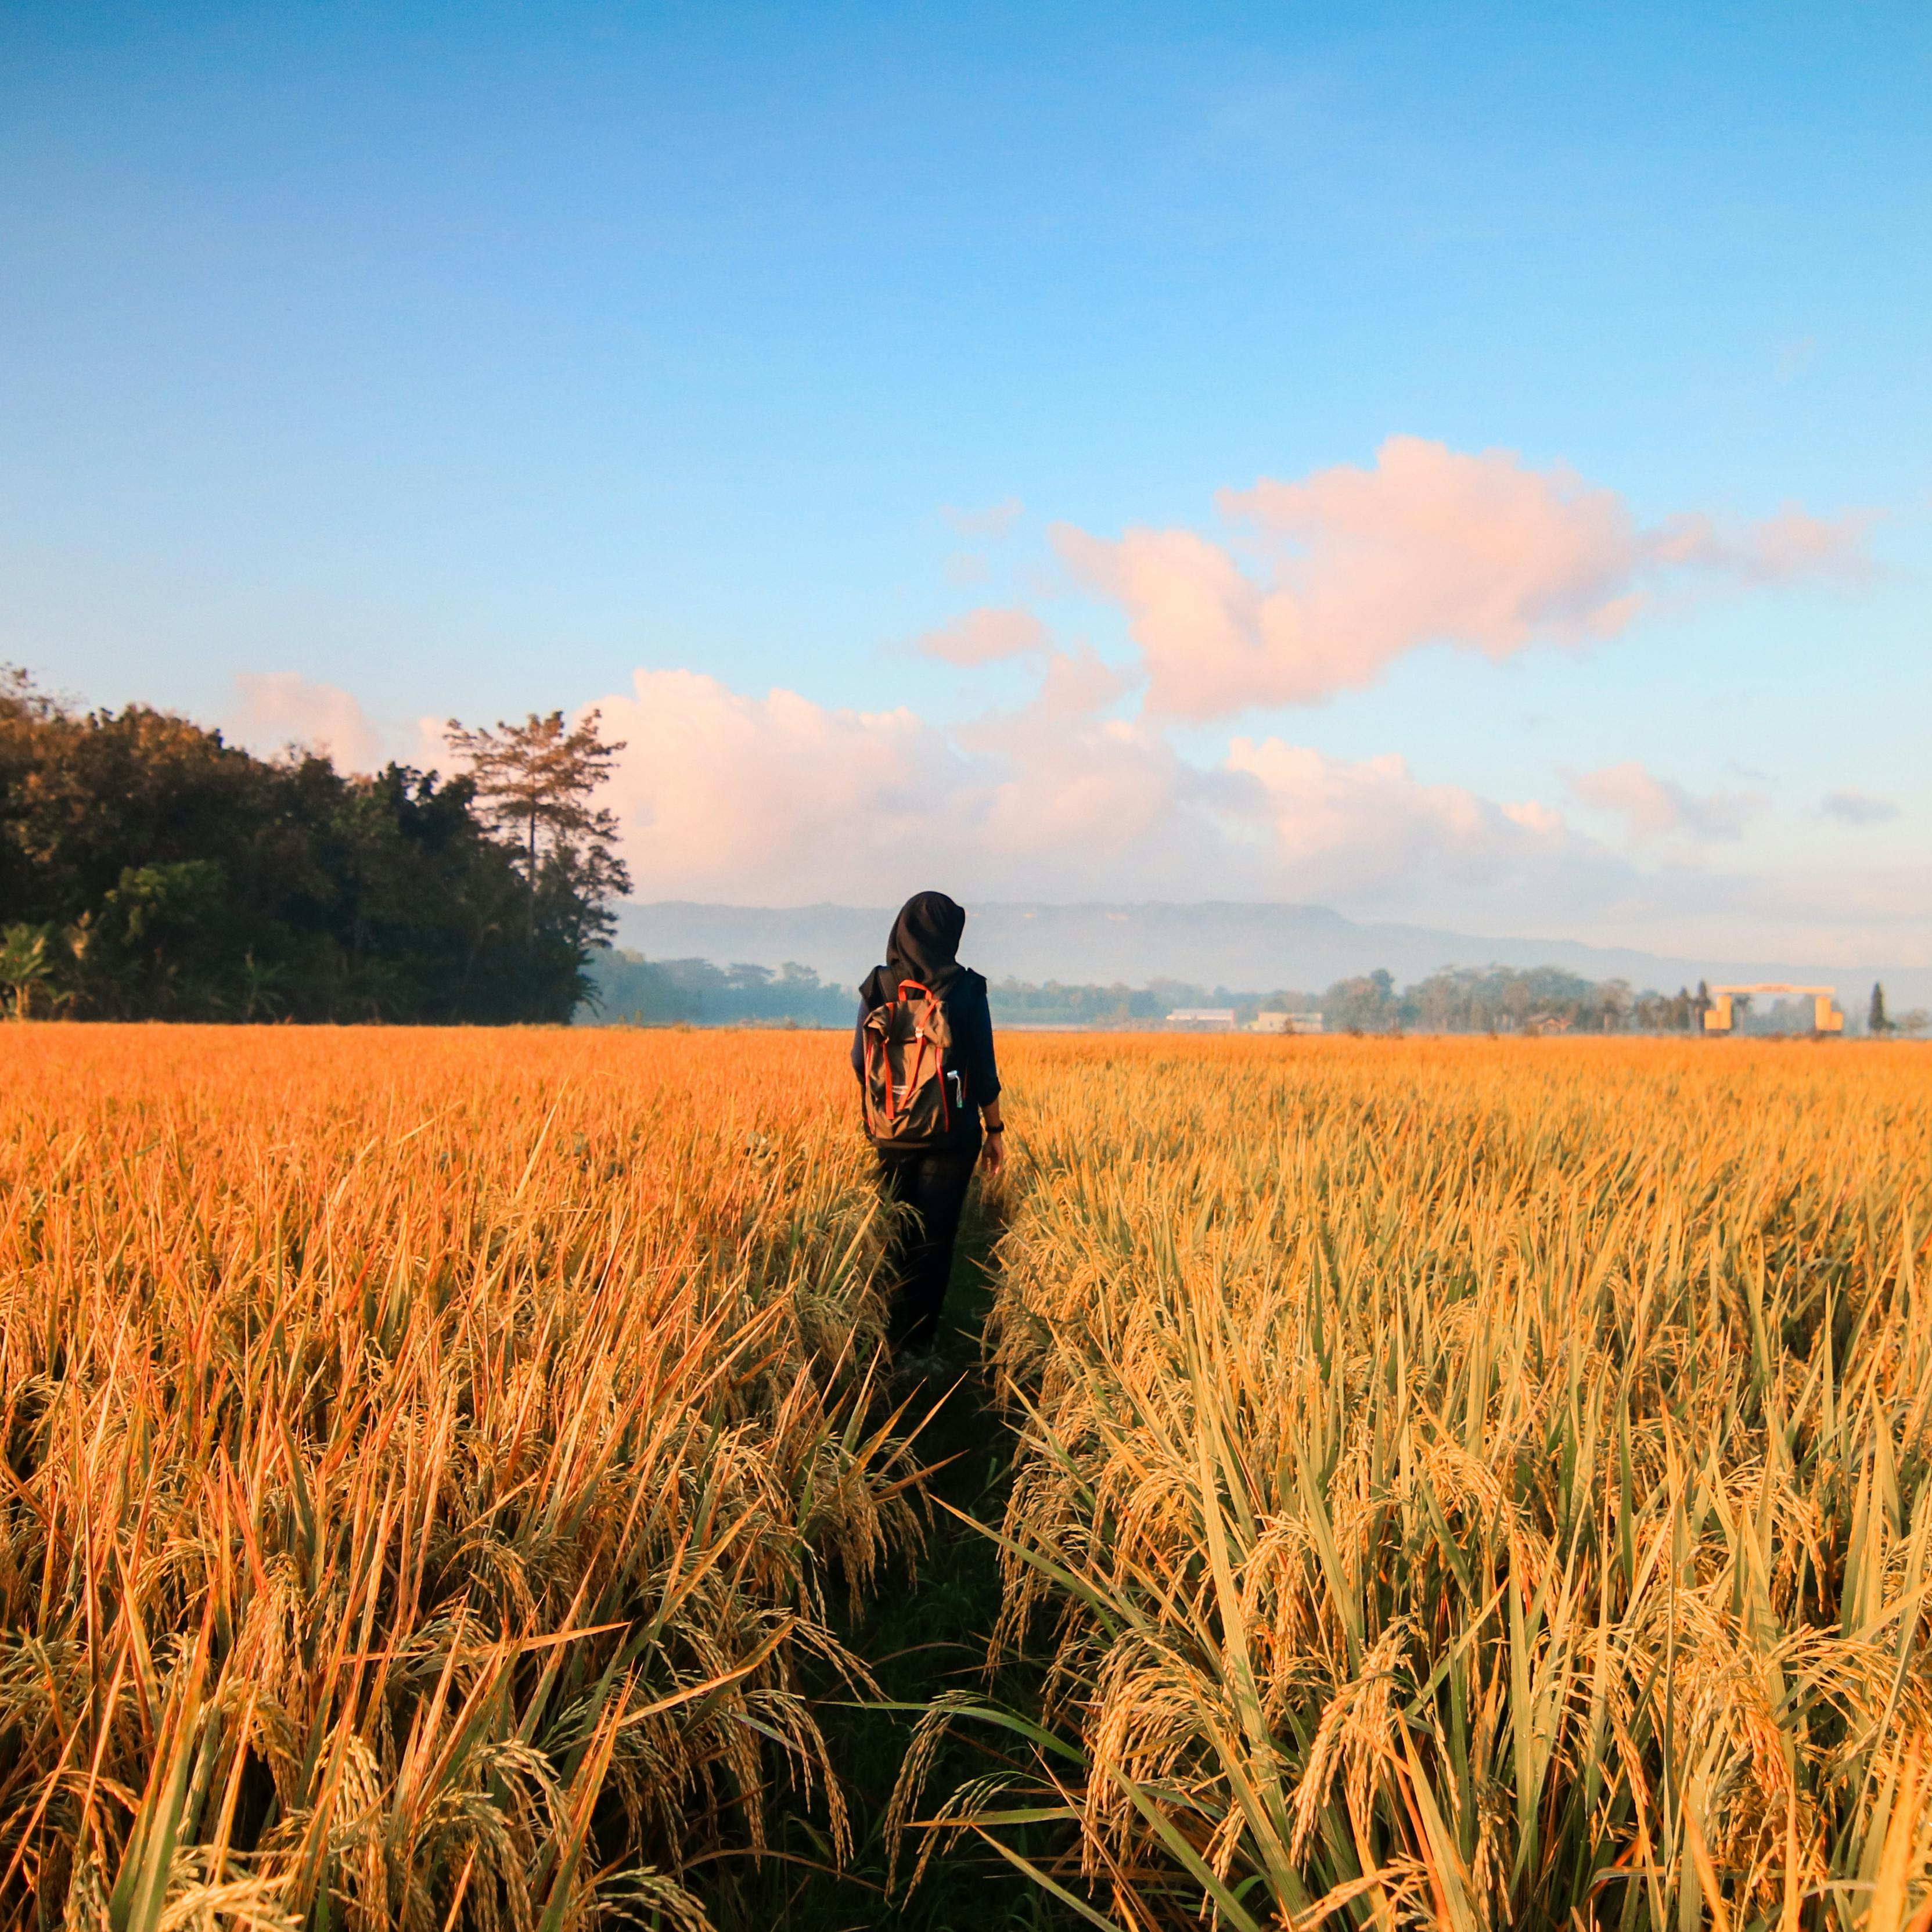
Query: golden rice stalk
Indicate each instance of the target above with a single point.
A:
(1488, 1482)
(426, 1456)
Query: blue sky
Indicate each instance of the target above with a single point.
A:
(360, 365)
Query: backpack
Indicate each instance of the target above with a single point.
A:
(912, 1098)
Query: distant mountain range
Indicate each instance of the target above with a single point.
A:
(1219, 942)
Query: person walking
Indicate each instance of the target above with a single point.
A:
(923, 1052)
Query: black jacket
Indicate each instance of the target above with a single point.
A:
(971, 1020)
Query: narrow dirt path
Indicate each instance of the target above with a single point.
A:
(920, 1636)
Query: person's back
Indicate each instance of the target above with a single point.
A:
(922, 1051)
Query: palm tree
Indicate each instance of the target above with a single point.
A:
(26, 962)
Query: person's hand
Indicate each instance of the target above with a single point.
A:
(993, 1154)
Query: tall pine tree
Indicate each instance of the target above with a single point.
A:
(537, 779)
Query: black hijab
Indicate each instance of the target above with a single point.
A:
(924, 945)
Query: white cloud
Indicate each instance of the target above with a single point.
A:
(1362, 831)
(1103, 793)
(1775, 549)
(1651, 805)
(721, 795)
(992, 523)
(728, 797)
(283, 708)
(731, 798)
(984, 636)
(1349, 569)
(432, 751)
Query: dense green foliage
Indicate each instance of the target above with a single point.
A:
(1505, 999)
(629, 990)
(1502, 999)
(150, 870)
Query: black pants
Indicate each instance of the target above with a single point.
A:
(934, 1186)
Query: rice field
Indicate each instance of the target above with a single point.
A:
(1453, 1483)
(1470, 1483)
(429, 1459)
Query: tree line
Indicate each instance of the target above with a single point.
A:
(1502, 999)
(629, 990)
(632, 990)
(151, 870)
(635, 991)
(1548, 999)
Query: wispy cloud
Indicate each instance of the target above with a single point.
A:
(1858, 808)
(989, 524)
(1652, 806)
(984, 636)
(1774, 550)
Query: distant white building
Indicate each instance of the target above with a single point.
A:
(1286, 1023)
(1202, 1019)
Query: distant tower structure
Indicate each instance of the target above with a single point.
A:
(1826, 1017)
